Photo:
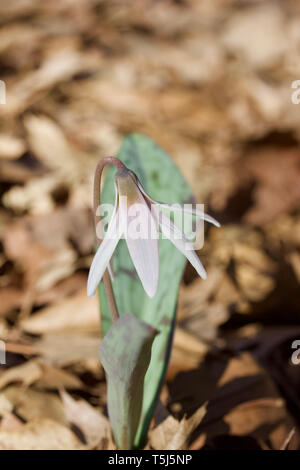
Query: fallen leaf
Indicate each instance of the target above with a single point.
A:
(11, 147)
(247, 418)
(241, 399)
(195, 295)
(39, 435)
(94, 426)
(11, 299)
(66, 288)
(172, 434)
(62, 349)
(5, 406)
(47, 139)
(27, 373)
(276, 173)
(53, 378)
(10, 423)
(57, 67)
(77, 313)
(32, 405)
(257, 35)
(187, 352)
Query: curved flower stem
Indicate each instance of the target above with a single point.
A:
(97, 194)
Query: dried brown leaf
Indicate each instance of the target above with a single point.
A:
(27, 374)
(40, 435)
(32, 405)
(78, 313)
(174, 435)
(94, 426)
(61, 349)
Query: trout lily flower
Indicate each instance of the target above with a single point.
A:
(139, 218)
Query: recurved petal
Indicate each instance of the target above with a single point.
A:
(104, 253)
(175, 235)
(183, 208)
(142, 241)
(190, 210)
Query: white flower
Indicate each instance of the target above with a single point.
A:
(134, 208)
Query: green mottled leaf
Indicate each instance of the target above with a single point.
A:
(125, 354)
(163, 181)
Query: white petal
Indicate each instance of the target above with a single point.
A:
(142, 243)
(104, 253)
(190, 210)
(178, 207)
(179, 240)
(110, 270)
